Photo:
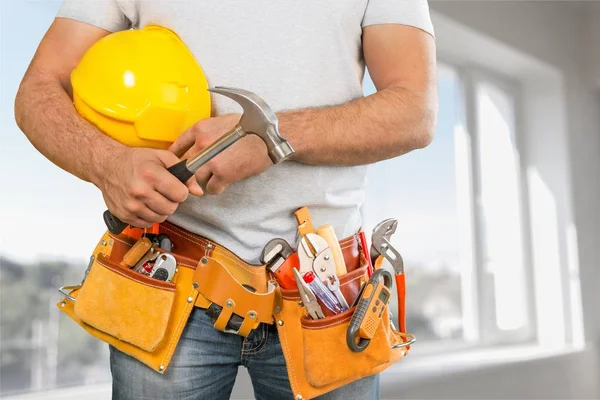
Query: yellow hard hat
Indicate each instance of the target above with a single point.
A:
(141, 87)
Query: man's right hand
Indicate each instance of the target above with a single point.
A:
(138, 189)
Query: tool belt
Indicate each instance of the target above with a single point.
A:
(144, 317)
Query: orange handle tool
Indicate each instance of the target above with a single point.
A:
(401, 290)
(365, 248)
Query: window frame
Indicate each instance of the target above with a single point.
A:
(479, 329)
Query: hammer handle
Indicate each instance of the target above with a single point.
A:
(184, 170)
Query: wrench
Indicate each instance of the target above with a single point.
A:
(381, 246)
(280, 259)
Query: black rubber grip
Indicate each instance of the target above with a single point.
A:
(114, 224)
(180, 171)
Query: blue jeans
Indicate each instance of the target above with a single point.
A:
(205, 365)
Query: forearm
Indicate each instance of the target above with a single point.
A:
(45, 113)
(389, 123)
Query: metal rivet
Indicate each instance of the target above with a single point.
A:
(252, 315)
(204, 260)
(280, 322)
(103, 243)
(209, 246)
(277, 310)
(326, 257)
(323, 269)
(63, 303)
(299, 397)
(190, 299)
(229, 303)
(196, 285)
(176, 270)
(161, 368)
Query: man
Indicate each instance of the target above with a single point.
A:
(306, 59)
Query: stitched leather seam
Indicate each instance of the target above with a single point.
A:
(223, 252)
(336, 323)
(288, 360)
(116, 271)
(119, 240)
(177, 333)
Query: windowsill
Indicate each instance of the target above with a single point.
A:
(424, 367)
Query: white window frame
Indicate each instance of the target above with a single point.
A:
(478, 307)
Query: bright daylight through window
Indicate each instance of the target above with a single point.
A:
(465, 185)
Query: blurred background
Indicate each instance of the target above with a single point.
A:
(499, 219)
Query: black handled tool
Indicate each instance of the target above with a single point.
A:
(258, 118)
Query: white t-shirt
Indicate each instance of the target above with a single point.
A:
(294, 54)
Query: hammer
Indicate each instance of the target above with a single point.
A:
(258, 118)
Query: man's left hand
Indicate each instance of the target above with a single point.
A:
(244, 159)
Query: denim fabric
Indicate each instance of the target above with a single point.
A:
(205, 365)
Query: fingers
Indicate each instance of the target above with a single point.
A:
(183, 142)
(167, 184)
(203, 175)
(215, 186)
(194, 187)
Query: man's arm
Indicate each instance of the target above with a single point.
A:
(397, 119)
(134, 182)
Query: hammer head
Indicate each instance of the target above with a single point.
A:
(258, 118)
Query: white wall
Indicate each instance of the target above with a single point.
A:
(593, 23)
(565, 148)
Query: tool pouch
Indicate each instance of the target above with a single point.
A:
(138, 315)
(317, 356)
(144, 317)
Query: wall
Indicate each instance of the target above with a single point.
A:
(593, 23)
(565, 39)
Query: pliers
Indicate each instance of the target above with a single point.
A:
(308, 297)
(382, 247)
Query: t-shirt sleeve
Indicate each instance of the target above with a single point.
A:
(405, 12)
(105, 14)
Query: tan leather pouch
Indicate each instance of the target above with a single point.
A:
(138, 315)
(317, 356)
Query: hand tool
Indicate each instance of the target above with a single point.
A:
(144, 265)
(136, 252)
(365, 249)
(321, 261)
(164, 242)
(333, 284)
(164, 267)
(381, 246)
(308, 297)
(365, 320)
(319, 289)
(281, 259)
(258, 118)
(327, 233)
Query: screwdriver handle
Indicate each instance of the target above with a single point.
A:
(179, 171)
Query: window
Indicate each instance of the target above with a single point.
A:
(458, 203)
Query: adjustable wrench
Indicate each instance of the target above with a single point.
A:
(281, 259)
(382, 247)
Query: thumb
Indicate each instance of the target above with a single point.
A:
(194, 187)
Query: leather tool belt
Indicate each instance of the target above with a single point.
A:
(144, 317)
